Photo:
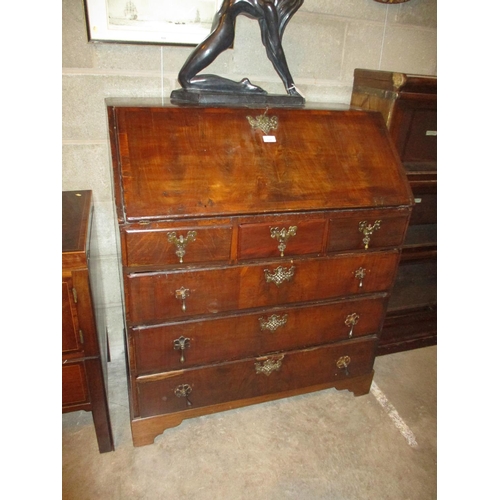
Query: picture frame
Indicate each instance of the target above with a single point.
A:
(167, 22)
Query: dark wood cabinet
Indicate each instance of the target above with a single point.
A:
(257, 263)
(408, 104)
(84, 340)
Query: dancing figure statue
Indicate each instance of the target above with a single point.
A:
(272, 15)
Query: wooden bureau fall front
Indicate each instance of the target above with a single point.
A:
(259, 248)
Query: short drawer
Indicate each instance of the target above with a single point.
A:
(358, 230)
(163, 296)
(185, 344)
(176, 246)
(199, 387)
(74, 384)
(283, 239)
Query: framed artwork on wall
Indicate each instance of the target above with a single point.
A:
(168, 22)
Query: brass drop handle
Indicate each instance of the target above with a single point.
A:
(273, 322)
(279, 275)
(368, 230)
(350, 321)
(269, 365)
(183, 391)
(343, 363)
(360, 274)
(181, 344)
(182, 294)
(282, 235)
(181, 242)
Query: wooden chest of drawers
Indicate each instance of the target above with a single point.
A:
(84, 338)
(257, 262)
(408, 104)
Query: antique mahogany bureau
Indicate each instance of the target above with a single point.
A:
(408, 104)
(259, 248)
(84, 337)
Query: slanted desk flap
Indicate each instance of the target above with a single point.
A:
(174, 162)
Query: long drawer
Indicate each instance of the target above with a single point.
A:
(199, 387)
(163, 296)
(185, 344)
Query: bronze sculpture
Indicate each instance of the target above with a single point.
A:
(272, 15)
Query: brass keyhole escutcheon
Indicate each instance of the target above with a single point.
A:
(368, 230)
(183, 391)
(181, 242)
(282, 236)
(181, 344)
(343, 363)
(350, 321)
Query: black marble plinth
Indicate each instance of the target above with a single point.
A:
(182, 96)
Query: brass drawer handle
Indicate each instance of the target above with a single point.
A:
(181, 344)
(368, 230)
(272, 364)
(280, 275)
(273, 322)
(350, 321)
(343, 363)
(181, 242)
(182, 294)
(282, 235)
(183, 391)
(360, 274)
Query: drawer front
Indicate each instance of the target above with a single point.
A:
(290, 237)
(192, 343)
(367, 230)
(158, 297)
(70, 326)
(199, 387)
(176, 246)
(74, 384)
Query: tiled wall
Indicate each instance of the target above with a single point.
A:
(324, 42)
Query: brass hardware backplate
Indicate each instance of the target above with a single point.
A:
(351, 320)
(182, 294)
(280, 275)
(273, 322)
(183, 391)
(181, 344)
(368, 230)
(265, 123)
(181, 242)
(282, 235)
(268, 366)
(360, 274)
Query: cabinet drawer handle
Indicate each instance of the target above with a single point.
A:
(350, 321)
(282, 235)
(273, 322)
(181, 344)
(343, 363)
(271, 364)
(360, 274)
(368, 230)
(279, 275)
(181, 242)
(182, 294)
(183, 391)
